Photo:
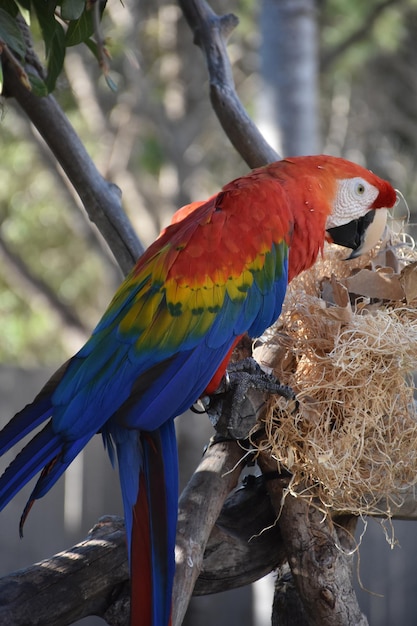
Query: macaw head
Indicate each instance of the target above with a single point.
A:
(359, 214)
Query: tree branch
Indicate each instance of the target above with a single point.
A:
(320, 565)
(245, 544)
(199, 507)
(211, 32)
(236, 553)
(97, 568)
(100, 198)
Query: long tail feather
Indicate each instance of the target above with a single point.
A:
(51, 472)
(154, 529)
(31, 460)
(141, 562)
(32, 415)
(24, 422)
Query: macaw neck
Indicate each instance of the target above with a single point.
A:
(308, 234)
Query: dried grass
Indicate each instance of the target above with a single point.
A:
(354, 437)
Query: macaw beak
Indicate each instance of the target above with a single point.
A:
(360, 235)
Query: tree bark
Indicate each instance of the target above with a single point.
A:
(85, 580)
(320, 562)
(199, 507)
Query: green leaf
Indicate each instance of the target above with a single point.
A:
(72, 9)
(1, 77)
(45, 12)
(56, 56)
(25, 4)
(81, 29)
(39, 88)
(11, 34)
(93, 47)
(24, 8)
(54, 38)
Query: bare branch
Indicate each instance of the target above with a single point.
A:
(199, 507)
(96, 569)
(322, 571)
(211, 32)
(84, 580)
(320, 565)
(245, 543)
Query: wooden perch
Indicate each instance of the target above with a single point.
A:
(92, 578)
(82, 581)
(199, 507)
(245, 543)
(320, 566)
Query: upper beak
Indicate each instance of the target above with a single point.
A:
(360, 235)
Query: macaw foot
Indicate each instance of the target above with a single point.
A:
(234, 407)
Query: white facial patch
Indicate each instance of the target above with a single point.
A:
(354, 197)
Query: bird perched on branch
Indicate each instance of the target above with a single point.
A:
(218, 271)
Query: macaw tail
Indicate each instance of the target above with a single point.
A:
(151, 521)
(31, 460)
(32, 415)
(47, 452)
(24, 422)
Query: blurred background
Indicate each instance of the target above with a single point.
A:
(317, 76)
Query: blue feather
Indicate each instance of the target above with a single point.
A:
(31, 460)
(24, 422)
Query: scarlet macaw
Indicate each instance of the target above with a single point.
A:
(218, 271)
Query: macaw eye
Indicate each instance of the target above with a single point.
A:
(360, 189)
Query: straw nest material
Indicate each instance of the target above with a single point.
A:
(348, 348)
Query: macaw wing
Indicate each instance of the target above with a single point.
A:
(204, 282)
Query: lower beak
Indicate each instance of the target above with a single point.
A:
(360, 235)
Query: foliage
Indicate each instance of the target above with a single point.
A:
(63, 24)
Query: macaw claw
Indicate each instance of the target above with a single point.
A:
(234, 407)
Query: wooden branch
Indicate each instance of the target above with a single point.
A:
(101, 199)
(320, 565)
(84, 580)
(287, 608)
(245, 543)
(96, 571)
(321, 571)
(199, 507)
(211, 32)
